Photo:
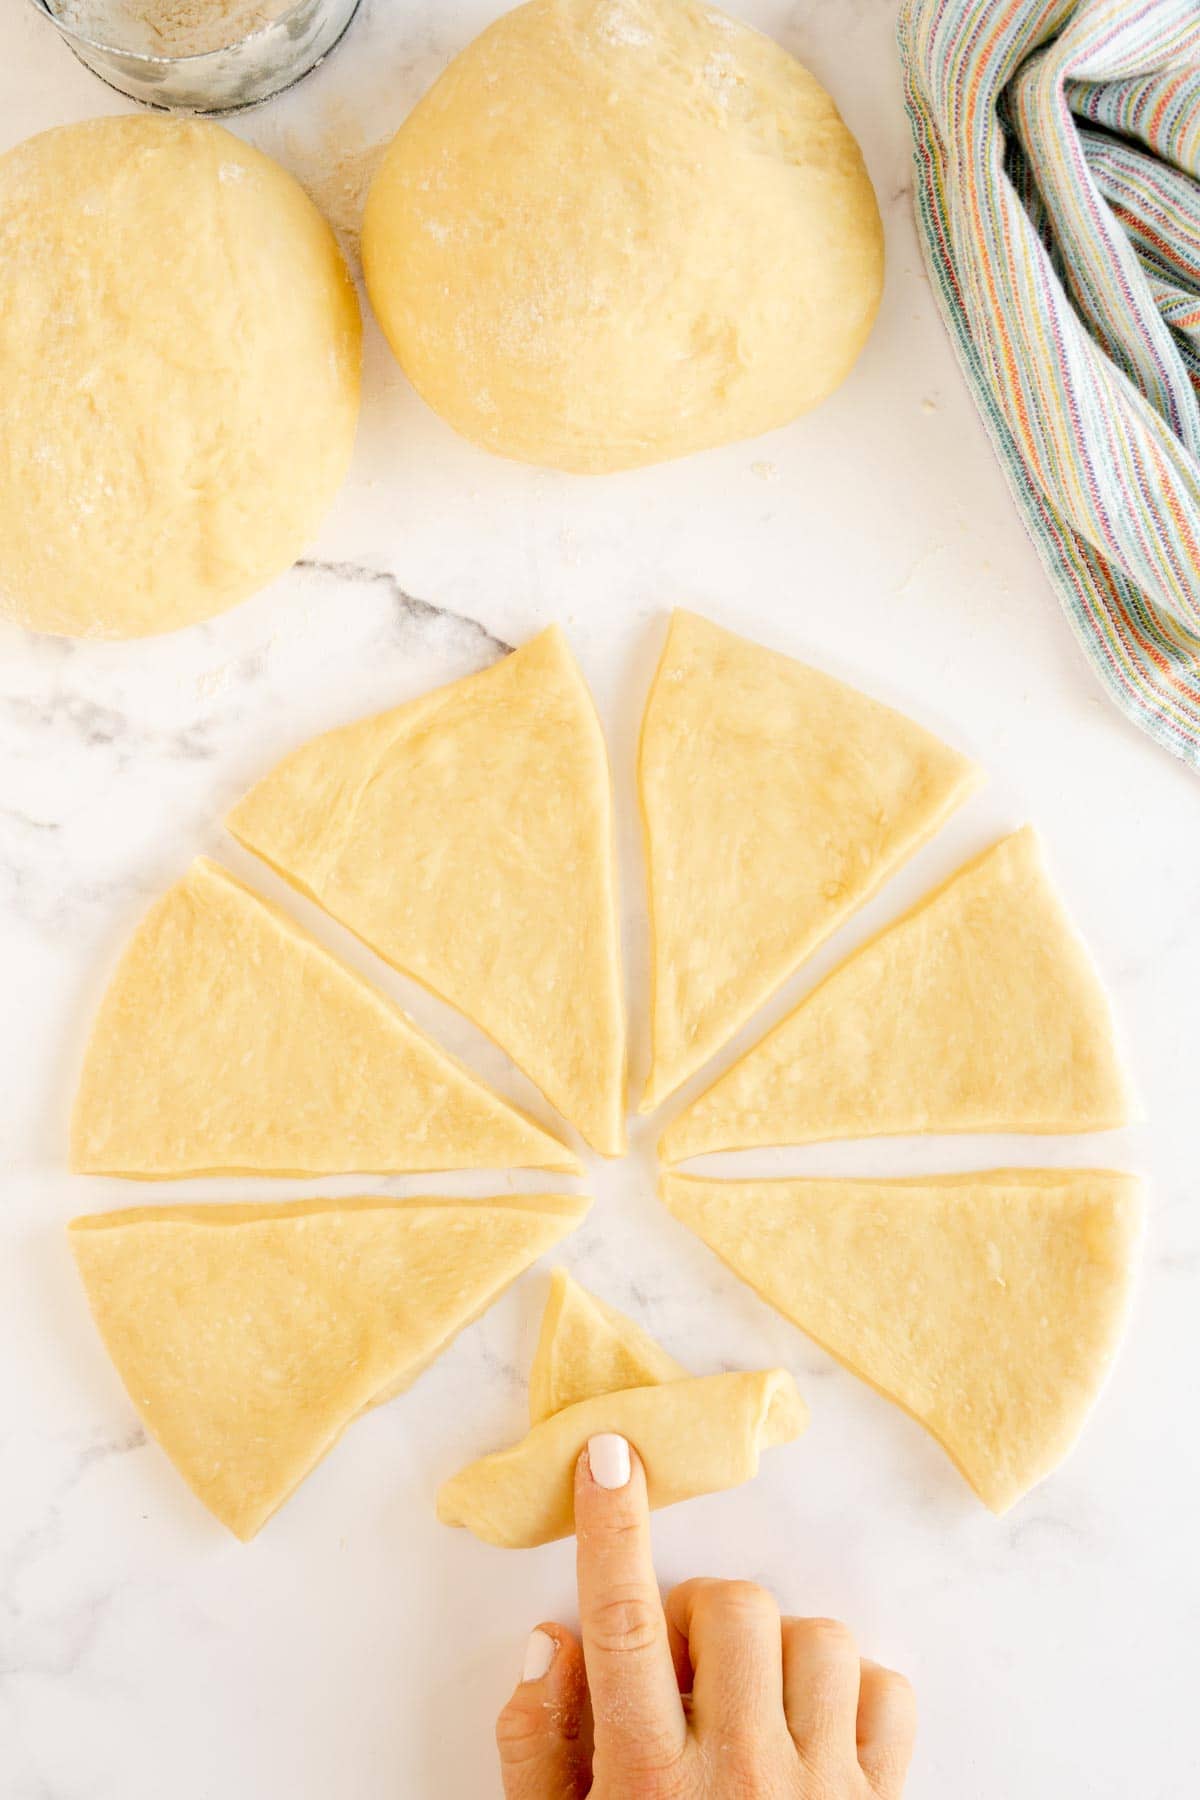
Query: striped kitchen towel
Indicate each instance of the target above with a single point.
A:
(1056, 145)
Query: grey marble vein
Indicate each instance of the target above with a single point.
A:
(36, 1642)
(408, 606)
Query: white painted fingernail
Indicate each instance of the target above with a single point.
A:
(608, 1459)
(540, 1652)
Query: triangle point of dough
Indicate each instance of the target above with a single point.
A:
(977, 1011)
(987, 1306)
(775, 801)
(229, 1041)
(489, 803)
(249, 1336)
(595, 1370)
(587, 1347)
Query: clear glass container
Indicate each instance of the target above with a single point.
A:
(216, 81)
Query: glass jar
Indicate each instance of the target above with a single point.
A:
(240, 74)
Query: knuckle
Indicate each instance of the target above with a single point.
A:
(885, 1771)
(519, 1733)
(656, 1775)
(895, 1695)
(745, 1598)
(749, 1760)
(625, 1623)
(898, 1688)
(829, 1636)
(611, 1536)
(742, 1766)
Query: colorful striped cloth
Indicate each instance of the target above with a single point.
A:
(1057, 154)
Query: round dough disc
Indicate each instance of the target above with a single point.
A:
(617, 231)
(179, 373)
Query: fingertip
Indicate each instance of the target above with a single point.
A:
(552, 1658)
(541, 1648)
(610, 1482)
(606, 1462)
(540, 1730)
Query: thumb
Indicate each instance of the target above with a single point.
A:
(538, 1733)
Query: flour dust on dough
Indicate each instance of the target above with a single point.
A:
(179, 375)
(988, 1306)
(616, 231)
(467, 837)
(230, 1042)
(694, 1434)
(979, 1010)
(775, 800)
(249, 1337)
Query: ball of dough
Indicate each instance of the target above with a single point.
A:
(617, 231)
(179, 372)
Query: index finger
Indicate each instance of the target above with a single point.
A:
(639, 1719)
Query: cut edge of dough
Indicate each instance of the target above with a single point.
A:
(615, 1138)
(1127, 1113)
(558, 1158)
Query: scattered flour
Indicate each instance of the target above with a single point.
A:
(617, 25)
(722, 75)
(168, 27)
(336, 165)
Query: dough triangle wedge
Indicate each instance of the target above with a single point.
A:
(467, 838)
(979, 1010)
(587, 1347)
(248, 1337)
(775, 801)
(231, 1042)
(987, 1306)
(696, 1434)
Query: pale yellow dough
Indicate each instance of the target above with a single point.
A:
(248, 1337)
(229, 1041)
(587, 1347)
(775, 800)
(988, 1306)
(695, 1434)
(978, 1011)
(467, 838)
(179, 375)
(616, 231)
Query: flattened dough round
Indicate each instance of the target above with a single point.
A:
(179, 375)
(617, 231)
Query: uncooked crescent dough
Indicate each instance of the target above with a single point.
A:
(695, 1434)
(587, 1347)
(988, 1306)
(231, 1042)
(249, 1337)
(979, 1010)
(776, 800)
(467, 837)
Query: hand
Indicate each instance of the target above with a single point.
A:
(717, 1699)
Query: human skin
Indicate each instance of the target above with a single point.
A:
(714, 1697)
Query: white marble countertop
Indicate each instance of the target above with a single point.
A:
(358, 1648)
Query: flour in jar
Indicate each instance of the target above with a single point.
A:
(168, 27)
